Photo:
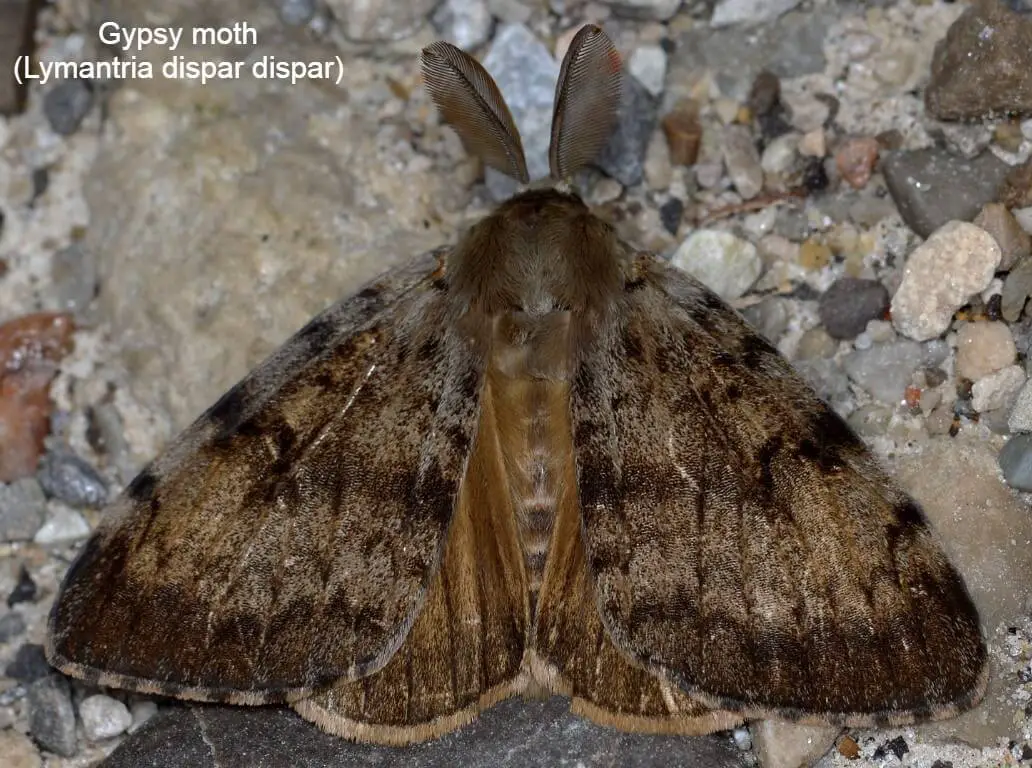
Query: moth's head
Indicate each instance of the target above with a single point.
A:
(587, 96)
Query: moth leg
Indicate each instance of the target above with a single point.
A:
(573, 655)
(465, 650)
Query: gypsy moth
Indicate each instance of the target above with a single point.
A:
(540, 458)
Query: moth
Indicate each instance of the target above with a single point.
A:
(539, 460)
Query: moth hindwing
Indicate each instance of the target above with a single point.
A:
(538, 459)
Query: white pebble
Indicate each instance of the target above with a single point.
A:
(62, 525)
(103, 717)
(984, 349)
(648, 65)
(726, 264)
(955, 262)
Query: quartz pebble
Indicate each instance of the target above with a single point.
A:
(465, 23)
(956, 262)
(648, 66)
(18, 750)
(884, 370)
(68, 478)
(103, 717)
(63, 525)
(780, 744)
(998, 389)
(1020, 419)
(983, 349)
(726, 264)
(742, 161)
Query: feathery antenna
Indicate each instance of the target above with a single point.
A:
(470, 102)
(587, 97)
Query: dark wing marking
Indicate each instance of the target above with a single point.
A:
(743, 540)
(287, 538)
(464, 651)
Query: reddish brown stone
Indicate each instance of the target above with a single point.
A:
(683, 132)
(30, 349)
(855, 159)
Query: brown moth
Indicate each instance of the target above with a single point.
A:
(540, 459)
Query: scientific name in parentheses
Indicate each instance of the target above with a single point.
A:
(265, 68)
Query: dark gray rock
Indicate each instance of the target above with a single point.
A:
(70, 479)
(623, 157)
(982, 66)
(51, 715)
(931, 186)
(513, 734)
(25, 589)
(29, 664)
(1016, 462)
(849, 304)
(67, 104)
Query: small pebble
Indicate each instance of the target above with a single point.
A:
(12, 625)
(780, 744)
(296, 13)
(25, 590)
(983, 349)
(62, 526)
(997, 390)
(142, 710)
(67, 104)
(1016, 191)
(670, 214)
(51, 716)
(726, 264)
(659, 172)
(1020, 419)
(765, 93)
(742, 161)
(956, 262)
(780, 154)
(623, 156)
(683, 132)
(855, 159)
(650, 10)
(806, 112)
(743, 739)
(871, 420)
(814, 255)
(813, 144)
(18, 750)
(815, 343)
(29, 664)
(770, 317)
(464, 23)
(648, 65)
(74, 273)
(103, 717)
(884, 370)
(1017, 287)
(1016, 462)
(68, 478)
(23, 508)
(1015, 243)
